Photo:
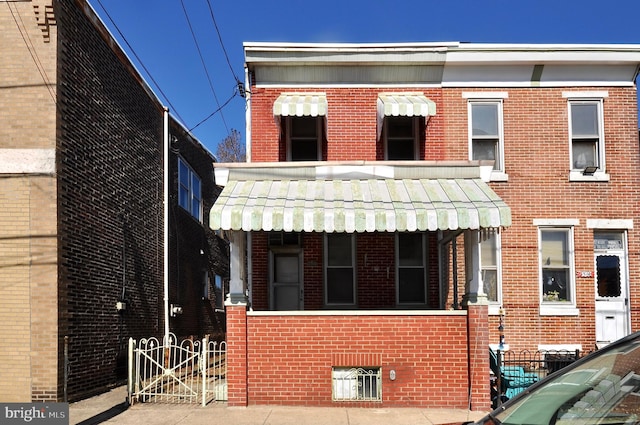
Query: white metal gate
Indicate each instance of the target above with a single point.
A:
(191, 371)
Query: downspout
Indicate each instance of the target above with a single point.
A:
(165, 153)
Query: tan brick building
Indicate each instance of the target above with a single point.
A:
(398, 195)
(81, 228)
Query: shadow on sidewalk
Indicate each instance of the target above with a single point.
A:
(106, 415)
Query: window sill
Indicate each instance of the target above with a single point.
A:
(499, 176)
(577, 176)
(494, 309)
(556, 310)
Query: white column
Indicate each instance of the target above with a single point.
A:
(474, 288)
(237, 284)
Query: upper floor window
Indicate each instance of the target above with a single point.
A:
(189, 190)
(485, 131)
(490, 267)
(411, 268)
(304, 138)
(339, 269)
(400, 136)
(302, 117)
(586, 135)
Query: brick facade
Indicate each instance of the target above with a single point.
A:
(83, 223)
(289, 356)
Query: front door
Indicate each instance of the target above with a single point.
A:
(612, 300)
(286, 280)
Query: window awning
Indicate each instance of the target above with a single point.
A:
(356, 204)
(403, 105)
(300, 105)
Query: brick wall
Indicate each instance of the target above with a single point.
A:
(110, 205)
(28, 225)
(290, 358)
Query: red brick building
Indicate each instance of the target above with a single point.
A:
(397, 195)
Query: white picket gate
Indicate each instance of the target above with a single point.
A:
(190, 371)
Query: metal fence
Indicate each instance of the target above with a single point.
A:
(514, 371)
(190, 371)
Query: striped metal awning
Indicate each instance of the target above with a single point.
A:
(405, 104)
(300, 105)
(358, 205)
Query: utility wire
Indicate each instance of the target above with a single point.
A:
(205, 71)
(32, 51)
(173, 109)
(224, 50)
(215, 112)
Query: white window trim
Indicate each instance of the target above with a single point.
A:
(319, 136)
(489, 97)
(566, 308)
(424, 266)
(415, 123)
(588, 96)
(353, 270)
(605, 223)
(199, 214)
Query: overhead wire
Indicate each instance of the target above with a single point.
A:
(173, 109)
(206, 72)
(32, 51)
(224, 50)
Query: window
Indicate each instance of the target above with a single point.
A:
(556, 258)
(304, 138)
(339, 270)
(189, 190)
(490, 268)
(401, 138)
(485, 129)
(586, 134)
(357, 384)
(411, 273)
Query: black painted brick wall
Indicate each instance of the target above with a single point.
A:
(110, 205)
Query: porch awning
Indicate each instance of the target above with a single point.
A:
(357, 205)
(300, 105)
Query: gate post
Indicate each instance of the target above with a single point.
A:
(130, 370)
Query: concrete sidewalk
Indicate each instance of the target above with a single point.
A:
(111, 407)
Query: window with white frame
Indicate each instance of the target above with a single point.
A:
(400, 135)
(411, 268)
(490, 267)
(304, 138)
(189, 190)
(485, 131)
(339, 269)
(556, 265)
(585, 127)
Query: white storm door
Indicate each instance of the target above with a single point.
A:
(612, 300)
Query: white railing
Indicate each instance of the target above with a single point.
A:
(190, 371)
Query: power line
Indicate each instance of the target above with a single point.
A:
(205, 69)
(215, 112)
(224, 50)
(32, 51)
(175, 111)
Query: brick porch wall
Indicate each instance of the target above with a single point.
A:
(289, 356)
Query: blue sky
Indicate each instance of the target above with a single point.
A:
(161, 37)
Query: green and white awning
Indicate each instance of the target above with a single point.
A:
(405, 104)
(300, 105)
(358, 205)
